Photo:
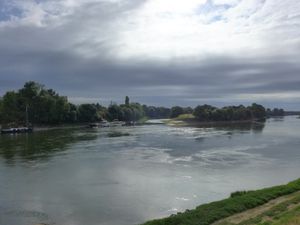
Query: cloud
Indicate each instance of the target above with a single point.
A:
(225, 2)
(163, 53)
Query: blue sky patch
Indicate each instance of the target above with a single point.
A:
(7, 11)
(210, 7)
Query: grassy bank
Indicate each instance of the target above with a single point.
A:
(284, 210)
(238, 202)
(190, 120)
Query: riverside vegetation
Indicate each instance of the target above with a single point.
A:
(46, 107)
(239, 202)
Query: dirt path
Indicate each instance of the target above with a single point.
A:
(253, 213)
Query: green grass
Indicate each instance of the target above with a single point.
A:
(209, 213)
(276, 214)
(143, 120)
(290, 218)
(185, 117)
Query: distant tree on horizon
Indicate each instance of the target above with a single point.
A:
(127, 100)
(176, 111)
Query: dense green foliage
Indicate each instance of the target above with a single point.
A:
(177, 111)
(90, 112)
(209, 213)
(45, 106)
(275, 112)
(126, 112)
(284, 211)
(229, 113)
(156, 112)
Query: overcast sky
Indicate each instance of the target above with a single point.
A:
(159, 52)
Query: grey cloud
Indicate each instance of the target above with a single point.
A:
(58, 55)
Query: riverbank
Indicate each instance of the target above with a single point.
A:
(78, 126)
(270, 206)
(41, 127)
(187, 120)
(284, 210)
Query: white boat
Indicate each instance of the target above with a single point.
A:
(117, 123)
(99, 124)
(16, 130)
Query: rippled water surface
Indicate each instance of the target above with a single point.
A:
(126, 175)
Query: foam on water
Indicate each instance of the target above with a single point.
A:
(85, 177)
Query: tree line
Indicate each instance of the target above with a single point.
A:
(230, 113)
(45, 106)
(275, 112)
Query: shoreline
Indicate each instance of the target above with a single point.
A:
(58, 127)
(196, 123)
(69, 126)
(240, 202)
(176, 122)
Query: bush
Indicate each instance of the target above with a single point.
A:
(238, 193)
(238, 202)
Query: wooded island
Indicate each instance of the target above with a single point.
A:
(46, 107)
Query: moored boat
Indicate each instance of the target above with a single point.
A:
(100, 124)
(117, 123)
(16, 130)
(13, 128)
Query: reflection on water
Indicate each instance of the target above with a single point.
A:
(238, 127)
(39, 145)
(126, 175)
(117, 134)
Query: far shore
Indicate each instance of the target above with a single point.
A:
(43, 127)
(191, 122)
(176, 122)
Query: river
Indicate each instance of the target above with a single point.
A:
(127, 175)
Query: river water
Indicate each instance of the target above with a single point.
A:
(127, 175)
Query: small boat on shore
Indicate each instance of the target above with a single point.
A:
(100, 124)
(13, 128)
(117, 123)
(16, 130)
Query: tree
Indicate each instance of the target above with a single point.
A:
(275, 112)
(188, 110)
(1, 110)
(128, 114)
(156, 112)
(31, 90)
(87, 113)
(258, 111)
(115, 112)
(127, 100)
(137, 111)
(72, 115)
(204, 112)
(176, 111)
(229, 113)
(11, 108)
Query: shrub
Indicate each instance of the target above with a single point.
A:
(238, 202)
